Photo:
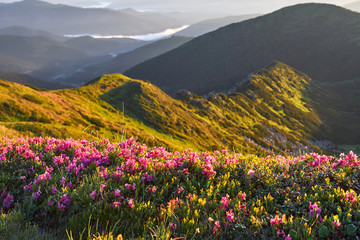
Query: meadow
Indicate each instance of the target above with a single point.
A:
(67, 189)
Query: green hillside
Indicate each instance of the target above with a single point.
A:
(270, 112)
(324, 44)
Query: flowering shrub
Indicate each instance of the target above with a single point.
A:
(145, 192)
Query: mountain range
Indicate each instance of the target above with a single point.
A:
(62, 19)
(324, 45)
(285, 81)
(125, 61)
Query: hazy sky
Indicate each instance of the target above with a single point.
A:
(231, 6)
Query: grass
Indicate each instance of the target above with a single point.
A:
(271, 113)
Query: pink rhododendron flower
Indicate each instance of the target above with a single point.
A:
(61, 207)
(172, 204)
(230, 215)
(224, 202)
(93, 195)
(180, 189)
(217, 225)
(288, 237)
(36, 195)
(173, 226)
(313, 208)
(131, 203)
(117, 193)
(336, 223)
(8, 200)
(276, 220)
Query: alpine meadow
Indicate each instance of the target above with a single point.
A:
(167, 120)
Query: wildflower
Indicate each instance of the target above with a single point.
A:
(117, 193)
(50, 203)
(280, 233)
(313, 208)
(152, 189)
(61, 207)
(336, 223)
(93, 195)
(230, 215)
(173, 202)
(242, 195)
(180, 189)
(287, 237)
(102, 186)
(185, 171)
(276, 220)
(36, 195)
(8, 200)
(224, 202)
(65, 199)
(3, 194)
(63, 180)
(130, 187)
(217, 225)
(131, 203)
(53, 190)
(173, 226)
(251, 172)
(351, 197)
(208, 170)
(116, 204)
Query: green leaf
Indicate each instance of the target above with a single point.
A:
(351, 229)
(323, 231)
(293, 233)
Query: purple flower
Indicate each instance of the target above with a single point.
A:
(8, 200)
(53, 190)
(36, 195)
(93, 195)
(117, 193)
(61, 207)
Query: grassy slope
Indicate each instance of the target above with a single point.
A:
(271, 113)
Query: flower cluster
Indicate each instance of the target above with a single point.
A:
(224, 195)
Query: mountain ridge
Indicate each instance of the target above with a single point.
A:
(240, 120)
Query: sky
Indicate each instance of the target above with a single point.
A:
(228, 6)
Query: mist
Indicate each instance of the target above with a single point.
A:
(224, 6)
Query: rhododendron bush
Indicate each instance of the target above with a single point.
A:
(149, 192)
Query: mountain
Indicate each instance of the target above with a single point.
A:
(28, 80)
(124, 61)
(29, 32)
(98, 46)
(27, 54)
(210, 25)
(324, 45)
(268, 112)
(62, 19)
(354, 6)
